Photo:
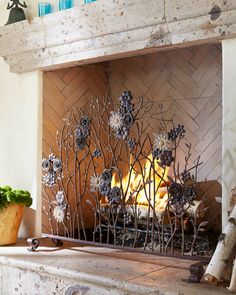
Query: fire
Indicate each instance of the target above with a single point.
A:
(145, 182)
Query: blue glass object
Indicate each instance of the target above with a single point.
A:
(89, 1)
(65, 4)
(44, 8)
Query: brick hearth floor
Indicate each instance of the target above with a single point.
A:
(93, 271)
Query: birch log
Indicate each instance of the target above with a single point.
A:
(225, 246)
(232, 287)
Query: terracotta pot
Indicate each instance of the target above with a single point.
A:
(10, 220)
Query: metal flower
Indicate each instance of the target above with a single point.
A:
(82, 133)
(105, 188)
(45, 164)
(131, 142)
(127, 218)
(50, 178)
(115, 195)
(166, 159)
(58, 214)
(97, 153)
(80, 142)
(51, 157)
(181, 194)
(84, 122)
(106, 176)
(60, 198)
(126, 108)
(162, 143)
(57, 165)
(122, 133)
(176, 132)
(156, 154)
(176, 190)
(115, 121)
(126, 97)
(128, 120)
(95, 183)
(189, 194)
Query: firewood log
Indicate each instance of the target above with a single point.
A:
(232, 287)
(227, 242)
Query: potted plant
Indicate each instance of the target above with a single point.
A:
(12, 203)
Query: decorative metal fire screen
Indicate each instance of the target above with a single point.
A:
(113, 182)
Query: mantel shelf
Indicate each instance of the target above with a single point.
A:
(107, 30)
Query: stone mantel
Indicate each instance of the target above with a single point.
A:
(114, 29)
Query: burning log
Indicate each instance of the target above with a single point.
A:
(227, 242)
(197, 209)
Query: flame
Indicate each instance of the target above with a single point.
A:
(145, 182)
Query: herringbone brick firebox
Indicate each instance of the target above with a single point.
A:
(187, 82)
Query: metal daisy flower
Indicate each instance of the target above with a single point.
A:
(115, 121)
(162, 143)
(58, 214)
(95, 183)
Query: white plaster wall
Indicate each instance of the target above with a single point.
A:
(20, 135)
(229, 123)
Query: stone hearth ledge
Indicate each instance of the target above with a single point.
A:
(107, 30)
(91, 271)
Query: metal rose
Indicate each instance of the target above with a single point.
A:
(57, 165)
(81, 142)
(176, 190)
(189, 194)
(45, 164)
(128, 120)
(84, 122)
(166, 158)
(106, 176)
(105, 188)
(115, 195)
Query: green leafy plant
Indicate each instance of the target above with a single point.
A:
(9, 196)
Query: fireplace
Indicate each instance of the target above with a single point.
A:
(132, 152)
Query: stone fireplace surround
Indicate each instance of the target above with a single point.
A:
(45, 44)
(87, 34)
